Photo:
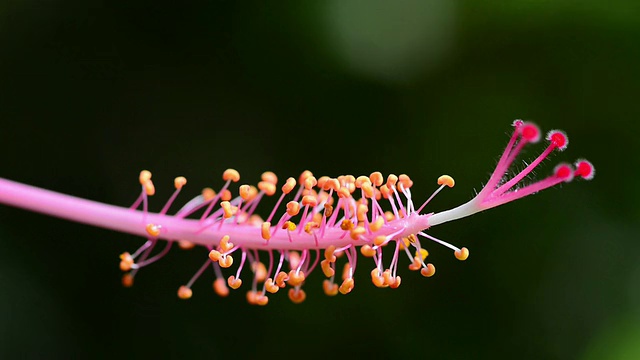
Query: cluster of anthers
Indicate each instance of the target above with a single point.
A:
(323, 220)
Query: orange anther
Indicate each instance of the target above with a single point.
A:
(396, 282)
(208, 194)
(266, 230)
(179, 182)
(149, 188)
(225, 261)
(328, 210)
(362, 212)
(416, 264)
(332, 184)
(289, 185)
(293, 208)
(462, 254)
(226, 207)
(269, 177)
(233, 282)
(288, 225)
(305, 174)
(186, 245)
(368, 190)
(357, 232)
(384, 190)
(326, 268)
(145, 175)
(281, 278)
(245, 191)
(310, 226)
(220, 287)
(255, 220)
(252, 297)
(310, 182)
(184, 292)
(423, 254)
(126, 261)
(344, 192)
(215, 255)
(367, 251)
(322, 181)
(388, 279)
(346, 225)
(391, 181)
(329, 253)
(270, 286)
(379, 240)
(259, 271)
(376, 279)
(267, 187)
(153, 230)
(428, 271)
(231, 174)
(330, 288)
(405, 180)
(347, 286)
(376, 178)
(361, 180)
(225, 195)
(297, 295)
(446, 180)
(261, 299)
(309, 200)
(376, 225)
(225, 245)
(296, 278)
(412, 238)
(127, 280)
(346, 271)
(389, 216)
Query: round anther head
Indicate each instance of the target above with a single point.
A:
(462, 254)
(564, 172)
(446, 180)
(559, 139)
(530, 132)
(179, 182)
(585, 169)
(231, 174)
(184, 292)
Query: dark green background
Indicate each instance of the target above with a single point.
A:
(92, 92)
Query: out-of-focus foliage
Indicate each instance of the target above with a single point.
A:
(91, 92)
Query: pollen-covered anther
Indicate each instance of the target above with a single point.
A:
(329, 253)
(225, 245)
(558, 138)
(331, 184)
(231, 175)
(346, 286)
(261, 299)
(145, 175)
(127, 280)
(310, 182)
(281, 279)
(367, 250)
(310, 226)
(385, 191)
(391, 181)
(296, 295)
(245, 192)
(208, 194)
(289, 185)
(396, 283)
(564, 172)
(220, 287)
(233, 282)
(412, 238)
(267, 187)
(357, 232)
(265, 230)
(270, 286)
(225, 195)
(346, 225)
(405, 180)
(446, 180)
(376, 225)
(186, 245)
(296, 278)
(226, 207)
(416, 264)
(309, 200)
(215, 255)
(289, 226)
(270, 177)
(584, 169)
(293, 208)
(225, 261)
(462, 254)
(328, 210)
(376, 178)
(305, 174)
(361, 213)
(530, 132)
(379, 240)
(330, 288)
(126, 261)
(344, 192)
(259, 271)
(377, 279)
(423, 253)
(184, 292)
(428, 271)
(327, 270)
(153, 229)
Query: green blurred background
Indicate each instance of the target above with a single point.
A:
(91, 92)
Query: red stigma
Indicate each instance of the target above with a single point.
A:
(558, 139)
(584, 169)
(530, 132)
(564, 171)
